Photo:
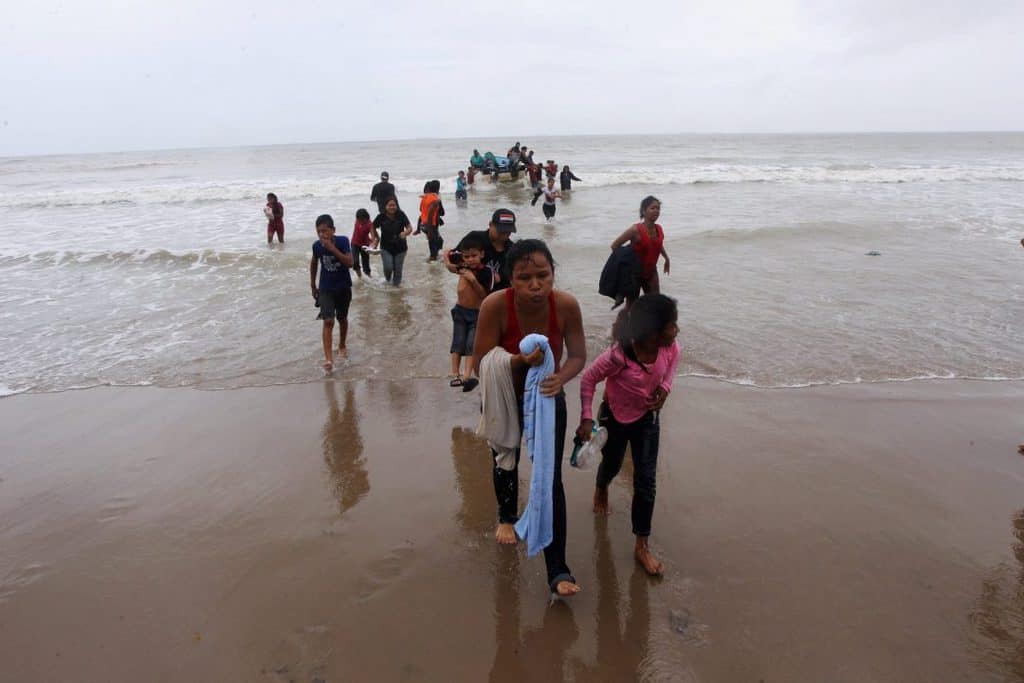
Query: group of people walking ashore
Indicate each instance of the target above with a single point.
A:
(520, 339)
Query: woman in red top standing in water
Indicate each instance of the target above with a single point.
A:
(648, 240)
(533, 305)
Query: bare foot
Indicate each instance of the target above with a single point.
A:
(328, 367)
(506, 534)
(601, 506)
(647, 560)
(566, 589)
(343, 352)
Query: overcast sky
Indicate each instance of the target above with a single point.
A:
(145, 74)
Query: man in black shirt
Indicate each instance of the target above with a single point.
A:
(382, 191)
(497, 238)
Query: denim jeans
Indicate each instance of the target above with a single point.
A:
(392, 266)
(642, 437)
(506, 490)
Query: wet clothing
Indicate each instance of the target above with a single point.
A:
(642, 436)
(551, 170)
(629, 384)
(620, 277)
(494, 259)
(566, 178)
(333, 275)
(463, 329)
(648, 249)
(513, 335)
(460, 188)
(334, 303)
(392, 264)
(361, 233)
(390, 232)
(430, 222)
(506, 489)
(380, 193)
(275, 220)
(539, 431)
(476, 161)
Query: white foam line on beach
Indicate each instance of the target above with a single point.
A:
(844, 382)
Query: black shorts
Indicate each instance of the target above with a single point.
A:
(463, 329)
(334, 303)
(549, 210)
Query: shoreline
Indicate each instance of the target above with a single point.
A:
(342, 530)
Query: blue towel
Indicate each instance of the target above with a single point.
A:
(535, 526)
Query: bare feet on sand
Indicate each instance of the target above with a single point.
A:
(601, 506)
(566, 589)
(647, 560)
(506, 534)
(342, 352)
(328, 367)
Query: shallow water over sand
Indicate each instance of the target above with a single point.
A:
(151, 268)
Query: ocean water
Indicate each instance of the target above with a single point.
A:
(152, 267)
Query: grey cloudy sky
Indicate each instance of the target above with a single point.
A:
(134, 74)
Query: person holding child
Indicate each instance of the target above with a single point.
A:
(476, 281)
(637, 370)
(333, 255)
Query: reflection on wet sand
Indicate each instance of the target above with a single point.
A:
(343, 448)
(472, 465)
(997, 638)
(537, 654)
(621, 651)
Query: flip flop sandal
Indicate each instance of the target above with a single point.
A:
(470, 383)
(455, 382)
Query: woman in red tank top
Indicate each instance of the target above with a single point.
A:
(648, 241)
(533, 305)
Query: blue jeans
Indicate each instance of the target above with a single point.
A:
(392, 266)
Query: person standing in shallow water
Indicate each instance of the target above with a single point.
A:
(274, 211)
(648, 241)
(382, 191)
(389, 231)
(533, 305)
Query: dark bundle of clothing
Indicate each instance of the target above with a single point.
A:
(620, 277)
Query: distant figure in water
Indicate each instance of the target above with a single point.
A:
(566, 178)
(637, 371)
(550, 195)
(274, 211)
(648, 240)
(382, 191)
(460, 186)
(333, 255)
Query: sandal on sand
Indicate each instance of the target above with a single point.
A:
(454, 381)
(470, 383)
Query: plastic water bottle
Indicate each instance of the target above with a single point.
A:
(583, 453)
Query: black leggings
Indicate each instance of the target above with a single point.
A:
(549, 210)
(364, 258)
(642, 437)
(506, 490)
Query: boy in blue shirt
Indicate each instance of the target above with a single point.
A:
(460, 186)
(334, 256)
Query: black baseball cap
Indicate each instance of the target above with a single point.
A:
(384, 175)
(504, 220)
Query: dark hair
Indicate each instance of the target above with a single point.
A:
(271, 195)
(391, 198)
(473, 240)
(524, 249)
(647, 317)
(325, 218)
(432, 186)
(362, 215)
(426, 187)
(648, 200)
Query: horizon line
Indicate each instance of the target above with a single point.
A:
(140, 150)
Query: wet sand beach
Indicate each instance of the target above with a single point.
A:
(342, 531)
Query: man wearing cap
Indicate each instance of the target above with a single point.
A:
(497, 237)
(382, 192)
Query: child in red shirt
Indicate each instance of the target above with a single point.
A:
(361, 241)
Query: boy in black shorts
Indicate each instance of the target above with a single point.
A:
(334, 255)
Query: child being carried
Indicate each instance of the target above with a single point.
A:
(476, 281)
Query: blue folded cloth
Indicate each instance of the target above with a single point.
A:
(535, 526)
